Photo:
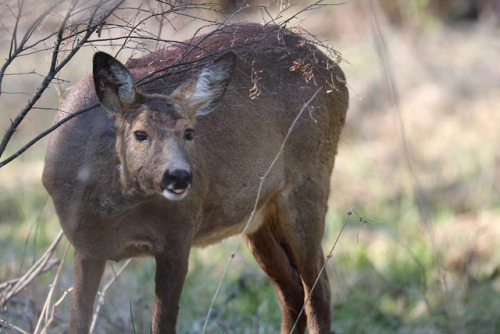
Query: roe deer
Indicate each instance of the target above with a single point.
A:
(176, 163)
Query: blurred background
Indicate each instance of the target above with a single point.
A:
(417, 164)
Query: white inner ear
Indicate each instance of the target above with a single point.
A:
(206, 89)
(126, 91)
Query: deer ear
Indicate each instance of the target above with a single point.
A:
(203, 94)
(113, 83)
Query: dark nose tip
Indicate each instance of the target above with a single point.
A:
(177, 179)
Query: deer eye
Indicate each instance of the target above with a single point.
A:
(140, 135)
(188, 134)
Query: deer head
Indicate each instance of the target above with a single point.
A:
(155, 133)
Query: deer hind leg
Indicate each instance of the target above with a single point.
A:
(304, 210)
(86, 281)
(271, 249)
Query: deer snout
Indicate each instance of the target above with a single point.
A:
(175, 183)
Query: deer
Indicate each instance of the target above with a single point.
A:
(156, 169)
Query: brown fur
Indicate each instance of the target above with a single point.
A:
(110, 212)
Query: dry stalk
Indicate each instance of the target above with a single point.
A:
(102, 294)
(328, 257)
(47, 267)
(36, 270)
(254, 210)
(50, 319)
(8, 324)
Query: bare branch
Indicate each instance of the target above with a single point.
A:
(46, 132)
(15, 49)
(53, 72)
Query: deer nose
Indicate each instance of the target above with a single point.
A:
(176, 181)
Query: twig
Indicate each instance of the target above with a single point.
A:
(328, 257)
(47, 267)
(16, 49)
(53, 72)
(48, 320)
(31, 274)
(240, 285)
(103, 293)
(254, 210)
(46, 132)
(8, 324)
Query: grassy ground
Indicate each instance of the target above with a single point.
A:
(418, 161)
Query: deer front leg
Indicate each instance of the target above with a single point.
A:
(171, 270)
(87, 277)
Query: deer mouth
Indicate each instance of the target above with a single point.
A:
(174, 193)
(178, 191)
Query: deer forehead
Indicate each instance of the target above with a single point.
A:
(156, 108)
(158, 123)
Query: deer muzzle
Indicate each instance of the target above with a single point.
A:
(175, 183)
